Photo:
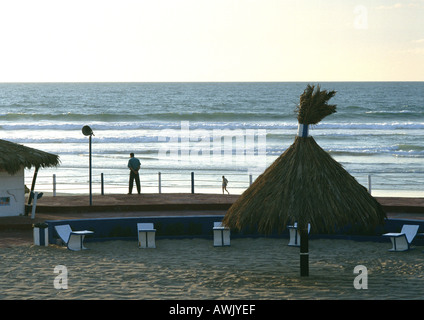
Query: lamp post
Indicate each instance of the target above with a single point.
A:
(86, 130)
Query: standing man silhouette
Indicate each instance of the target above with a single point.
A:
(134, 166)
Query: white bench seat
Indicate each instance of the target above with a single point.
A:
(295, 235)
(74, 240)
(221, 235)
(402, 241)
(146, 235)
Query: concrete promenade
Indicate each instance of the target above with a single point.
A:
(122, 205)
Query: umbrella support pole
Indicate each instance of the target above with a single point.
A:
(31, 192)
(304, 252)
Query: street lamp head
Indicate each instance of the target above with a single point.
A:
(86, 130)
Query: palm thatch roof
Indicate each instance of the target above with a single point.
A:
(305, 185)
(14, 157)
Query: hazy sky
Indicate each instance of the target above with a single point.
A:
(211, 40)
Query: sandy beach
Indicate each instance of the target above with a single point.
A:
(192, 269)
(251, 268)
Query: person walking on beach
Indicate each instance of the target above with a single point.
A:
(134, 166)
(224, 184)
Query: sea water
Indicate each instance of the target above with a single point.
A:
(207, 130)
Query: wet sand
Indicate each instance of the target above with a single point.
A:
(251, 268)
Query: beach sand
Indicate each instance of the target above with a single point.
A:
(251, 268)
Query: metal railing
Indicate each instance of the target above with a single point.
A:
(193, 182)
(159, 182)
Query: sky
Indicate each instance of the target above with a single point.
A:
(211, 40)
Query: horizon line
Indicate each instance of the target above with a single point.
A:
(260, 81)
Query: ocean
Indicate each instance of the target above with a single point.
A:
(203, 131)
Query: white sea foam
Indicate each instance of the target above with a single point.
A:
(372, 131)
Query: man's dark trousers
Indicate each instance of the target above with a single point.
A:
(136, 177)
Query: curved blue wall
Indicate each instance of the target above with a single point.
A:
(201, 226)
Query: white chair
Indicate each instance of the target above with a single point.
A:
(74, 240)
(402, 241)
(146, 235)
(221, 235)
(295, 235)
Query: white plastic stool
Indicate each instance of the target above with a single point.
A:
(221, 235)
(295, 235)
(146, 235)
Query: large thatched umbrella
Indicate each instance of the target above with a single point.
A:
(14, 157)
(305, 185)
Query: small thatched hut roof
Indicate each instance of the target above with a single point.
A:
(14, 156)
(305, 185)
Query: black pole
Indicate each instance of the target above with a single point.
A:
(103, 184)
(91, 195)
(86, 130)
(34, 179)
(304, 250)
(192, 182)
(31, 192)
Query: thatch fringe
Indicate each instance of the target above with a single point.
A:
(14, 157)
(313, 105)
(305, 185)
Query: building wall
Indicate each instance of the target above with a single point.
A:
(12, 194)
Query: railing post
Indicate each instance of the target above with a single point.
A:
(160, 182)
(54, 185)
(369, 184)
(192, 182)
(102, 184)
